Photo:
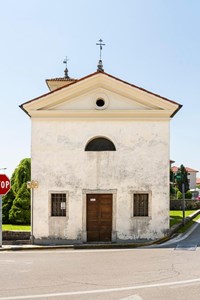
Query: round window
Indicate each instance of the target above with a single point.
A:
(100, 102)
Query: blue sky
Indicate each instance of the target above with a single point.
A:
(154, 44)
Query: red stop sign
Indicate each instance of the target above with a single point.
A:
(4, 184)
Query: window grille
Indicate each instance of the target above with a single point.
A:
(58, 205)
(140, 205)
(100, 144)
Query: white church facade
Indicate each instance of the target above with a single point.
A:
(100, 155)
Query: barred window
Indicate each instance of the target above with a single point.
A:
(140, 205)
(100, 144)
(58, 205)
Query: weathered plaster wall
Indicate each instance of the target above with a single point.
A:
(140, 163)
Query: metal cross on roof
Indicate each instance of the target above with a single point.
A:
(100, 64)
(65, 61)
(100, 44)
(66, 70)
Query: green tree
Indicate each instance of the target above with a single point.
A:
(20, 176)
(172, 186)
(182, 177)
(7, 203)
(20, 211)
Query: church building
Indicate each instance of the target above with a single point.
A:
(100, 155)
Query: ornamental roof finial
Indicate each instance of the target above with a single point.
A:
(66, 70)
(100, 64)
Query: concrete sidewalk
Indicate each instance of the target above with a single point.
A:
(33, 247)
(169, 237)
(136, 244)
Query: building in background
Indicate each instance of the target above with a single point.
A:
(198, 181)
(192, 176)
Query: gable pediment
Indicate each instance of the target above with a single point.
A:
(88, 101)
(121, 100)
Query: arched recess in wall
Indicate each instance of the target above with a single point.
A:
(100, 144)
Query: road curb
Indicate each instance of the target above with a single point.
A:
(82, 246)
(170, 235)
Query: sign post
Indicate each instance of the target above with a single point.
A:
(0, 221)
(33, 184)
(4, 189)
(183, 193)
(179, 178)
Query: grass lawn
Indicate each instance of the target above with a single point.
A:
(16, 227)
(184, 228)
(177, 215)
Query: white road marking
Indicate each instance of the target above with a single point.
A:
(129, 288)
(133, 297)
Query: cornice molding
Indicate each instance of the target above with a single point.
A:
(103, 114)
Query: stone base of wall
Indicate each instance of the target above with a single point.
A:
(55, 241)
(16, 235)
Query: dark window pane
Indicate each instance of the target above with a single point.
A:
(58, 205)
(100, 144)
(140, 205)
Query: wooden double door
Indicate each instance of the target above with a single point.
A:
(99, 217)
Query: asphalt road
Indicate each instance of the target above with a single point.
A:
(189, 241)
(165, 272)
(129, 274)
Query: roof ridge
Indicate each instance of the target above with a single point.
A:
(187, 169)
(61, 79)
(111, 76)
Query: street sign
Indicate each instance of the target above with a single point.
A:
(179, 176)
(4, 189)
(4, 184)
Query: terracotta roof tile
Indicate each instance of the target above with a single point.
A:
(191, 170)
(198, 181)
(175, 169)
(62, 79)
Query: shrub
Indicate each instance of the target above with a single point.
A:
(179, 195)
(188, 195)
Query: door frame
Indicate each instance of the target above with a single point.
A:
(84, 211)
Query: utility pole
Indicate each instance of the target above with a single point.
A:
(179, 179)
(4, 189)
(183, 206)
